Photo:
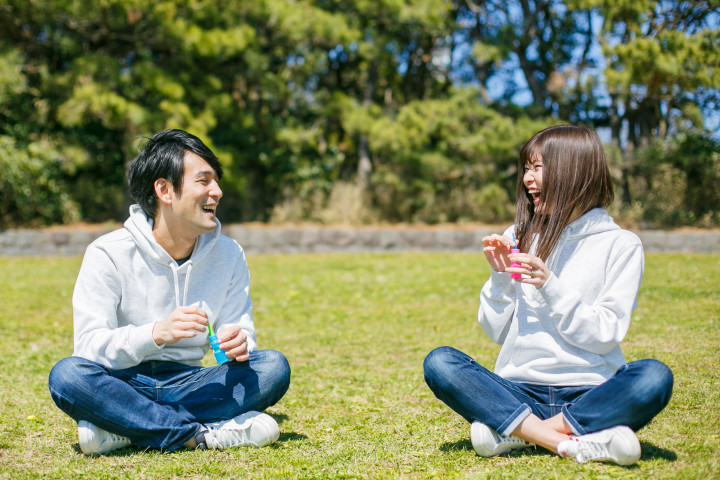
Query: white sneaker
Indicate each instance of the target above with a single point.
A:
(251, 428)
(617, 444)
(488, 443)
(96, 441)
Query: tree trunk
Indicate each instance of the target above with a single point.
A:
(364, 168)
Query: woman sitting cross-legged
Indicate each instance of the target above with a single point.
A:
(559, 305)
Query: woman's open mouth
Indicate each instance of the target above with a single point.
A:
(536, 195)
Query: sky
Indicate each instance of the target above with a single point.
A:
(511, 72)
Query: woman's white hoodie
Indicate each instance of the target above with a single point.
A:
(567, 332)
(127, 282)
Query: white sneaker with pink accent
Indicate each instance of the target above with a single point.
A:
(618, 445)
(488, 443)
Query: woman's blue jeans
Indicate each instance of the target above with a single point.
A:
(637, 393)
(163, 404)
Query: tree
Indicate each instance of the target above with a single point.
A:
(395, 98)
(101, 74)
(644, 69)
(661, 62)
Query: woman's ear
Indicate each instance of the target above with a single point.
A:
(163, 190)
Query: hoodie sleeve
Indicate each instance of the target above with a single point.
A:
(95, 302)
(237, 308)
(600, 326)
(497, 304)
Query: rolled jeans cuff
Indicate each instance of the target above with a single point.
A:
(509, 425)
(576, 428)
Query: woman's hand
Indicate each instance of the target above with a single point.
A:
(535, 269)
(496, 249)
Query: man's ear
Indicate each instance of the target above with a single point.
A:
(163, 190)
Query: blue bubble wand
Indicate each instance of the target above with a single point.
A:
(215, 344)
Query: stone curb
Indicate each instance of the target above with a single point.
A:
(268, 239)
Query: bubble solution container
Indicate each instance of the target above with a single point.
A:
(219, 353)
(515, 276)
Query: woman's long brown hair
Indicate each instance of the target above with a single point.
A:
(576, 179)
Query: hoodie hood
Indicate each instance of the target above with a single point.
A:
(596, 220)
(140, 228)
(593, 222)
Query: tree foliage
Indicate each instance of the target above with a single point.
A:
(421, 105)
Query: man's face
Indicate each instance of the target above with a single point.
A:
(194, 207)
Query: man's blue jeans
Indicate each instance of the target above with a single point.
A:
(638, 391)
(163, 404)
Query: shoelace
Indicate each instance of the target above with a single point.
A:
(590, 451)
(227, 437)
(512, 440)
(111, 438)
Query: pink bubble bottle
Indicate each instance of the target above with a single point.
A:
(515, 276)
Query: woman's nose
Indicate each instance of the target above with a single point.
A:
(528, 178)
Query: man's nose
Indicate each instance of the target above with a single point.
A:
(216, 192)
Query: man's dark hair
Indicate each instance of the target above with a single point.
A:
(163, 157)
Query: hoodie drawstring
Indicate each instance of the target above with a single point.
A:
(173, 266)
(187, 282)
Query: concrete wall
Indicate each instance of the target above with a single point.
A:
(267, 239)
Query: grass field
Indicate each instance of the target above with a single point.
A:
(356, 328)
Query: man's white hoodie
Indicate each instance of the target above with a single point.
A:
(127, 282)
(567, 332)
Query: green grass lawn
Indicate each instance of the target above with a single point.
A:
(356, 328)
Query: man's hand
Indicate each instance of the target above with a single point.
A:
(183, 322)
(234, 342)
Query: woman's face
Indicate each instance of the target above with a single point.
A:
(533, 180)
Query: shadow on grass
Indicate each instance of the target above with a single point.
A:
(454, 446)
(652, 452)
(279, 417)
(649, 451)
(132, 450)
(121, 452)
(291, 437)
(466, 445)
